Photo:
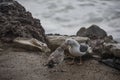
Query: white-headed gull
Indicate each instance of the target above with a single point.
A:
(76, 49)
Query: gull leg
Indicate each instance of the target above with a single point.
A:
(81, 62)
(72, 62)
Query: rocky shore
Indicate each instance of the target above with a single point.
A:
(24, 49)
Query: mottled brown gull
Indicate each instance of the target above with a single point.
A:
(56, 57)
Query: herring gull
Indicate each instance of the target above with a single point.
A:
(76, 49)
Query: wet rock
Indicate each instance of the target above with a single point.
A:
(31, 44)
(15, 21)
(93, 32)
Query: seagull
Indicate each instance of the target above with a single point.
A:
(56, 57)
(76, 49)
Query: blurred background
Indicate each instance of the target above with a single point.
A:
(68, 16)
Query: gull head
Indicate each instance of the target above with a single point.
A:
(71, 42)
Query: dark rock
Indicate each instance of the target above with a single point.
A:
(15, 21)
(114, 63)
(93, 32)
(81, 32)
(5, 0)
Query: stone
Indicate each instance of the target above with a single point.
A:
(1, 49)
(5, 0)
(31, 44)
(114, 49)
(93, 32)
(112, 63)
(105, 50)
(81, 32)
(15, 22)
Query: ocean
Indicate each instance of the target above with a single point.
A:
(68, 16)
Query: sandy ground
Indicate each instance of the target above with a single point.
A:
(24, 65)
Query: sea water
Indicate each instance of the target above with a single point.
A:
(68, 16)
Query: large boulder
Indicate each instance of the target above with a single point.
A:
(93, 32)
(15, 21)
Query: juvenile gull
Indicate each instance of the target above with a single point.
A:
(76, 49)
(56, 57)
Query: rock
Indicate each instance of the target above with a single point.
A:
(99, 49)
(96, 43)
(81, 32)
(15, 22)
(114, 48)
(109, 39)
(106, 50)
(112, 63)
(1, 49)
(5, 0)
(31, 44)
(93, 32)
(56, 41)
